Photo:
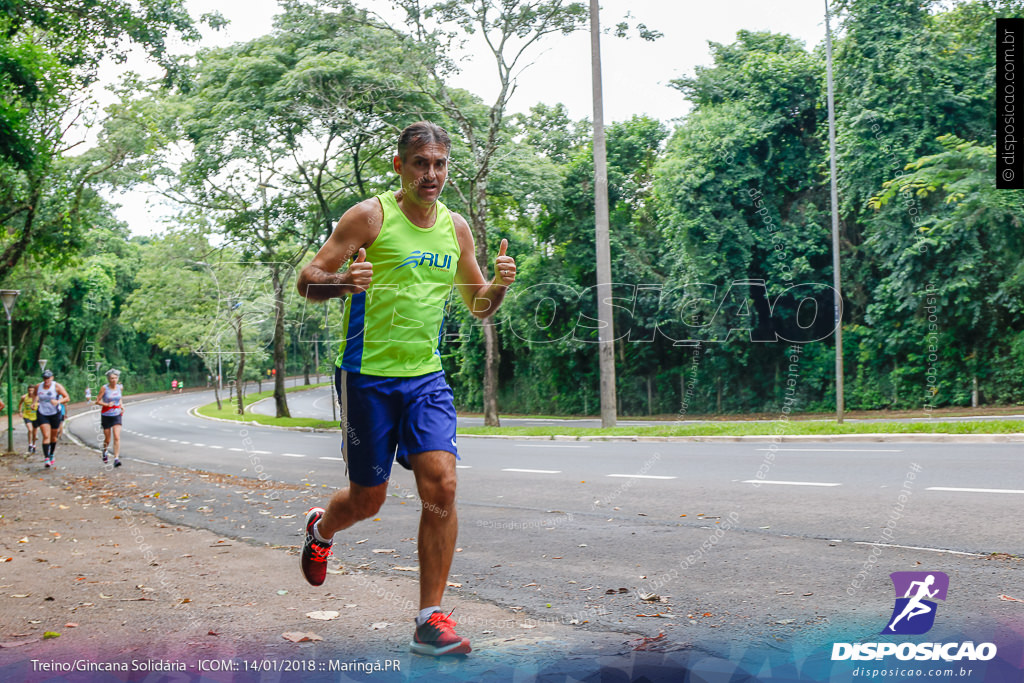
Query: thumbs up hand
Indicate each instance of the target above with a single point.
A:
(360, 274)
(504, 266)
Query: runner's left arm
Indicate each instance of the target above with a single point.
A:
(481, 297)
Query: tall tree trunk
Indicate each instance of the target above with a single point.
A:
(240, 372)
(492, 349)
(280, 353)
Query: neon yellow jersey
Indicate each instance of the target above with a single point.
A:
(393, 328)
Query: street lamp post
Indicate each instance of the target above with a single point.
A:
(9, 296)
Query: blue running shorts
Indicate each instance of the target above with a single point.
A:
(382, 417)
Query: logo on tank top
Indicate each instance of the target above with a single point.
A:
(426, 258)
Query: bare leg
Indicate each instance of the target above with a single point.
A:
(106, 437)
(350, 505)
(116, 430)
(439, 524)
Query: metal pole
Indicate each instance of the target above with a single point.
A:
(10, 389)
(836, 272)
(605, 333)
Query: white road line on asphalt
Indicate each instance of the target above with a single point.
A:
(330, 457)
(835, 450)
(201, 445)
(551, 445)
(914, 547)
(262, 452)
(217, 447)
(236, 450)
(513, 469)
(293, 455)
(186, 443)
(950, 488)
(173, 440)
(640, 476)
(314, 436)
(788, 483)
(463, 467)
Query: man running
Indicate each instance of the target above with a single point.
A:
(393, 394)
(111, 412)
(49, 397)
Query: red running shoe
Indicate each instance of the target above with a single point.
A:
(436, 636)
(314, 553)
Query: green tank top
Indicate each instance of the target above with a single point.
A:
(393, 328)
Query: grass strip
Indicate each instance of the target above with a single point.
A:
(229, 411)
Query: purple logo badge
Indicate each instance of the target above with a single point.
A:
(915, 608)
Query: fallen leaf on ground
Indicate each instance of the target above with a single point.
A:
(452, 584)
(23, 540)
(21, 596)
(1010, 599)
(406, 569)
(19, 643)
(212, 633)
(282, 592)
(528, 625)
(659, 614)
(50, 634)
(297, 637)
(70, 624)
(323, 615)
(6, 559)
(379, 625)
(649, 643)
(650, 597)
(382, 551)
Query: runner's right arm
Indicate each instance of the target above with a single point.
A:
(356, 230)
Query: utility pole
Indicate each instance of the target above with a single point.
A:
(606, 331)
(836, 273)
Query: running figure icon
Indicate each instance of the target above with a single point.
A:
(915, 607)
(916, 593)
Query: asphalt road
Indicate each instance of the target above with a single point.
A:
(745, 540)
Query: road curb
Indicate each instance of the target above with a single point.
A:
(194, 412)
(792, 438)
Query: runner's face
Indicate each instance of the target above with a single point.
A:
(424, 172)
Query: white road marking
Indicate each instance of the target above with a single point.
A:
(201, 445)
(551, 445)
(512, 469)
(789, 483)
(835, 450)
(262, 452)
(329, 457)
(236, 450)
(949, 488)
(914, 547)
(640, 476)
(217, 447)
(293, 455)
(463, 467)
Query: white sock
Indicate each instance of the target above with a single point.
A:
(425, 614)
(317, 536)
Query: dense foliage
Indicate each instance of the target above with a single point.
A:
(720, 222)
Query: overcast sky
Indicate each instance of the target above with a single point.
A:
(636, 72)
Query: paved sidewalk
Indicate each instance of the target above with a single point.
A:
(122, 586)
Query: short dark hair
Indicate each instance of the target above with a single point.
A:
(422, 133)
